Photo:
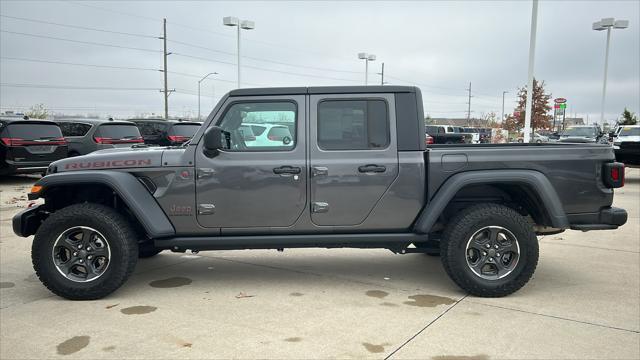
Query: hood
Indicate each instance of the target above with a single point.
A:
(631, 138)
(117, 158)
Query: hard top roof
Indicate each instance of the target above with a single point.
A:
(323, 90)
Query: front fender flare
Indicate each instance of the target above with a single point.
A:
(536, 180)
(141, 203)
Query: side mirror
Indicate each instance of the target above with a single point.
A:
(212, 141)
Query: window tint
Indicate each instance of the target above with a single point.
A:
(353, 124)
(118, 131)
(261, 126)
(74, 129)
(184, 129)
(33, 131)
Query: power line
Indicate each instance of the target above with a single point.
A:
(114, 11)
(73, 87)
(79, 64)
(264, 69)
(79, 41)
(79, 27)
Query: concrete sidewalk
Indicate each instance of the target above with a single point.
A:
(583, 302)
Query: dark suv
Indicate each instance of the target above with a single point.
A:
(166, 132)
(88, 135)
(29, 146)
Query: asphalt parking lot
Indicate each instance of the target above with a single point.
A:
(583, 302)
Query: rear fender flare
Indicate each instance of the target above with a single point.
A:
(141, 203)
(535, 180)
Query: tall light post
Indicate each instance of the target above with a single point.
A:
(532, 54)
(366, 57)
(502, 117)
(241, 24)
(199, 82)
(607, 24)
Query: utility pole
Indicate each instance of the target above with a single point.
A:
(166, 90)
(469, 103)
(382, 75)
(502, 118)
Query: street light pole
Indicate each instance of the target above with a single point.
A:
(502, 118)
(366, 57)
(532, 53)
(607, 24)
(199, 82)
(241, 24)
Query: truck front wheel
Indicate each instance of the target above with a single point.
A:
(84, 251)
(489, 250)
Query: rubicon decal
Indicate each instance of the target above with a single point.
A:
(107, 164)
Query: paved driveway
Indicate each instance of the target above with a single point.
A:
(583, 302)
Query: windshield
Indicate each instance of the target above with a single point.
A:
(186, 130)
(118, 131)
(630, 131)
(33, 131)
(580, 131)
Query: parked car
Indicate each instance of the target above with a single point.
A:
(627, 144)
(357, 175)
(443, 134)
(166, 132)
(29, 146)
(88, 135)
(537, 138)
(262, 135)
(581, 134)
(475, 134)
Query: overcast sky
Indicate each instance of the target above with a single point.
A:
(439, 46)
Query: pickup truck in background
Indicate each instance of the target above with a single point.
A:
(626, 144)
(444, 134)
(352, 171)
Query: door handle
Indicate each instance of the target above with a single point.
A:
(372, 168)
(319, 171)
(293, 170)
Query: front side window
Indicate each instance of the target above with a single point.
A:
(260, 126)
(353, 125)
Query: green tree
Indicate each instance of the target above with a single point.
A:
(38, 111)
(628, 118)
(541, 118)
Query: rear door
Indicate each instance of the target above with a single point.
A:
(118, 134)
(353, 155)
(249, 184)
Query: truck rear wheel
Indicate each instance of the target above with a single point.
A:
(84, 251)
(489, 250)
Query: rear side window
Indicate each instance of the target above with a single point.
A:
(32, 131)
(118, 131)
(353, 124)
(74, 129)
(186, 130)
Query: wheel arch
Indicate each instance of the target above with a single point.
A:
(95, 186)
(539, 197)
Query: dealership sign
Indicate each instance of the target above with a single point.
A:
(560, 100)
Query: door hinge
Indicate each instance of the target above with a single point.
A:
(319, 207)
(206, 209)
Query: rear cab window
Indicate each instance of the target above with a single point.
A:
(353, 124)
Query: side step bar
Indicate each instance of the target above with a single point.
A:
(393, 241)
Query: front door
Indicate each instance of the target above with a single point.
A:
(353, 155)
(260, 180)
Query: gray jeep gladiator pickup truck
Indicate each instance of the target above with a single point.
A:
(337, 167)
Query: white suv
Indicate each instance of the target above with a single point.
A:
(266, 135)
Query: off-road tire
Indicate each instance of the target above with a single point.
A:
(464, 225)
(118, 234)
